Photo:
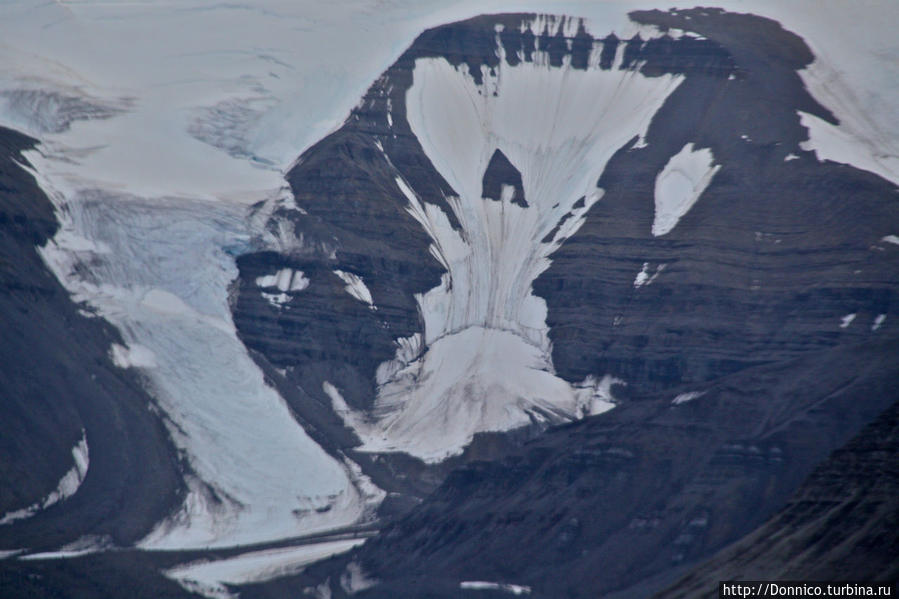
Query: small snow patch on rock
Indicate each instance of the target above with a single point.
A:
(685, 397)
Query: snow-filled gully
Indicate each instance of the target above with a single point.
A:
(487, 364)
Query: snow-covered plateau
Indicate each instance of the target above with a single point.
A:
(160, 124)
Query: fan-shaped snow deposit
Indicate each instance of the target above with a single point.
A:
(488, 363)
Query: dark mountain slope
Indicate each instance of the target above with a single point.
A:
(57, 379)
(842, 523)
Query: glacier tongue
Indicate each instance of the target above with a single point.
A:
(159, 270)
(679, 185)
(488, 363)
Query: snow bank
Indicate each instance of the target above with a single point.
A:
(286, 279)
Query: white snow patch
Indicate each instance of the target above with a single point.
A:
(68, 485)
(790, 156)
(209, 578)
(847, 320)
(354, 580)
(276, 299)
(679, 185)
(355, 286)
(480, 585)
(685, 397)
(135, 356)
(894, 239)
(286, 279)
(644, 278)
(878, 321)
(7, 553)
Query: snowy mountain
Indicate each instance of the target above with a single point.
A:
(608, 288)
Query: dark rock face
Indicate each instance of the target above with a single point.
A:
(57, 379)
(502, 172)
(841, 524)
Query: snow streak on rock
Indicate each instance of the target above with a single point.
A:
(488, 362)
(355, 286)
(68, 484)
(480, 585)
